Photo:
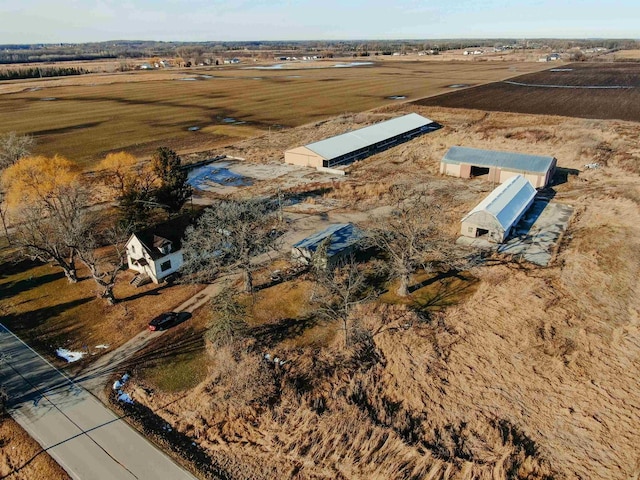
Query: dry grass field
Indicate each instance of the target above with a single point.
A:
(625, 55)
(88, 116)
(21, 458)
(550, 93)
(506, 371)
(521, 372)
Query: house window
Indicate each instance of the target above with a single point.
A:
(164, 266)
(133, 249)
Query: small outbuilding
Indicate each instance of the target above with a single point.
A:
(494, 217)
(339, 241)
(498, 166)
(358, 144)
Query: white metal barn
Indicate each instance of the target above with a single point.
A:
(351, 146)
(494, 217)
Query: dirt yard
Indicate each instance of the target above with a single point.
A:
(522, 372)
(596, 90)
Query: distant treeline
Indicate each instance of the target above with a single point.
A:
(35, 72)
(8, 57)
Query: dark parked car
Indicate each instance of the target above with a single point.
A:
(164, 320)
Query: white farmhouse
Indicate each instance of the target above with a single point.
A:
(154, 254)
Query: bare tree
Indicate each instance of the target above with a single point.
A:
(339, 290)
(105, 268)
(228, 319)
(227, 237)
(408, 238)
(12, 148)
(50, 201)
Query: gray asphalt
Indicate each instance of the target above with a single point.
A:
(82, 435)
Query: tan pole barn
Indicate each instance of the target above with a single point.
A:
(498, 166)
(358, 144)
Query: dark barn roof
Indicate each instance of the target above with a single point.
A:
(343, 236)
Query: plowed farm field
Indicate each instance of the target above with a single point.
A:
(85, 117)
(591, 90)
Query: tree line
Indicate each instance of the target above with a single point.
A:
(37, 72)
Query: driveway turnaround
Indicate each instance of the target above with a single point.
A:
(82, 435)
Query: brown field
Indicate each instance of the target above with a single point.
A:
(624, 55)
(21, 458)
(86, 117)
(518, 373)
(512, 371)
(537, 97)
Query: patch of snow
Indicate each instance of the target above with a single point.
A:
(68, 355)
(118, 384)
(193, 129)
(125, 397)
(102, 346)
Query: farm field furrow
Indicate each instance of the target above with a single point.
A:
(597, 90)
(86, 117)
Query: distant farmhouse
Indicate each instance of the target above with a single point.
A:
(358, 144)
(466, 162)
(155, 253)
(340, 240)
(494, 217)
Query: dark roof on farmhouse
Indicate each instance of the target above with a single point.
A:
(157, 236)
(343, 235)
(518, 162)
(365, 137)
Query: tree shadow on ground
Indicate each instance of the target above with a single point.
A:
(35, 319)
(147, 293)
(271, 334)
(11, 289)
(165, 347)
(11, 267)
(452, 287)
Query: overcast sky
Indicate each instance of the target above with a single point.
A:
(46, 21)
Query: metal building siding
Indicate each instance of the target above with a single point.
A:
(507, 203)
(518, 162)
(349, 142)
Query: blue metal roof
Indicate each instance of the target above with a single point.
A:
(365, 137)
(518, 162)
(343, 235)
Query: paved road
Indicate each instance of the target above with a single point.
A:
(80, 433)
